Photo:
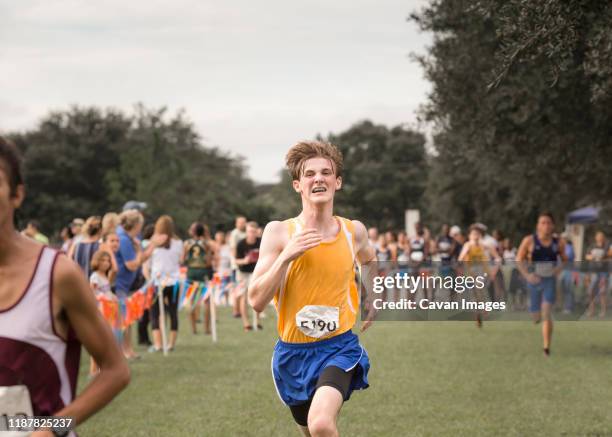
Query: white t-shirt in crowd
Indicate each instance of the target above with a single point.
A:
(99, 283)
(225, 260)
(165, 263)
(235, 236)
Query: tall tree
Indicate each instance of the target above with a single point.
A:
(88, 161)
(518, 115)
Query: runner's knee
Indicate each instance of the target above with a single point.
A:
(321, 425)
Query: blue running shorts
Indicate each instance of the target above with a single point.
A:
(296, 366)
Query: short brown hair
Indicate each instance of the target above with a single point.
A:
(304, 150)
(547, 214)
(476, 227)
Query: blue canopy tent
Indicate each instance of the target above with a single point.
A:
(587, 215)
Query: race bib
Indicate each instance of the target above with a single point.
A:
(14, 401)
(317, 320)
(544, 269)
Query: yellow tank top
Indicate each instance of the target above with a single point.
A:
(477, 260)
(318, 298)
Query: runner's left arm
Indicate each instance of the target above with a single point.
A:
(76, 301)
(366, 256)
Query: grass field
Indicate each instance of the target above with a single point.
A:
(427, 379)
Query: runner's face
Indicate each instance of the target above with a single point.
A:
(318, 181)
(474, 236)
(600, 238)
(545, 226)
(8, 203)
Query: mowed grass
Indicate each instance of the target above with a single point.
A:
(427, 379)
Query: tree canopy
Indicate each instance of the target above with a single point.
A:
(88, 161)
(521, 108)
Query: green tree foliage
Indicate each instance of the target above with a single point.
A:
(385, 171)
(521, 108)
(86, 161)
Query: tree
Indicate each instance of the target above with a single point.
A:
(518, 124)
(87, 161)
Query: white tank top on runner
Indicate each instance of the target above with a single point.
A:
(34, 360)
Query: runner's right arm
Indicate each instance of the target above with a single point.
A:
(521, 260)
(275, 254)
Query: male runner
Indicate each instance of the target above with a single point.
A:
(477, 257)
(306, 264)
(536, 259)
(46, 311)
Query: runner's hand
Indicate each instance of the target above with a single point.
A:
(369, 318)
(301, 242)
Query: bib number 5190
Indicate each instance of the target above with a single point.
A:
(318, 320)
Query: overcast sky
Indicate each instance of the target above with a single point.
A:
(253, 76)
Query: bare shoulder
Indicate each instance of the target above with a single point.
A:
(275, 233)
(524, 248)
(360, 230)
(527, 241)
(68, 279)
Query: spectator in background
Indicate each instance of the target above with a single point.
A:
(403, 251)
(247, 254)
(76, 226)
(517, 289)
(110, 221)
(598, 254)
(66, 237)
(165, 272)
(110, 244)
(198, 254)
(373, 236)
(237, 234)
(32, 230)
(99, 281)
(568, 278)
(455, 234)
(223, 264)
(143, 322)
(130, 258)
(83, 251)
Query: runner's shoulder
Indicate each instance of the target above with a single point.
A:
(276, 232)
(359, 227)
(67, 276)
(527, 240)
